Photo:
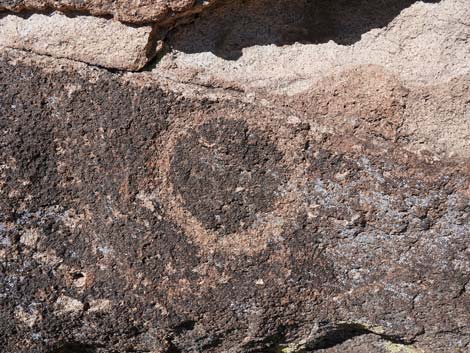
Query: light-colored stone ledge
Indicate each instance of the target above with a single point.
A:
(89, 39)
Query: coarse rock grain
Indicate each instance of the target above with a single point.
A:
(89, 39)
(138, 12)
(353, 243)
(292, 48)
(287, 177)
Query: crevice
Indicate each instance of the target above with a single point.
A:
(332, 335)
(26, 14)
(338, 335)
(108, 69)
(159, 53)
(230, 26)
(155, 48)
(165, 19)
(187, 325)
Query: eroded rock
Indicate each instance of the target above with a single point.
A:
(357, 242)
(249, 194)
(123, 10)
(89, 39)
(226, 174)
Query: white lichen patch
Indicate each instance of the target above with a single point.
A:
(401, 348)
(67, 305)
(28, 316)
(100, 305)
(30, 237)
(48, 257)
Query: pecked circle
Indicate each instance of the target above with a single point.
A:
(226, 174)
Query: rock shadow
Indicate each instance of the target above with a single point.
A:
(233, 25)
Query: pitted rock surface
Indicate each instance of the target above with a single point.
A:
(372, 250)
(256, 188)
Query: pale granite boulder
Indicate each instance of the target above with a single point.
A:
(89, 39)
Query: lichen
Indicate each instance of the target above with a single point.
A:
(401, 348)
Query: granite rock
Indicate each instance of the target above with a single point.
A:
(89, 39)
(138, 12)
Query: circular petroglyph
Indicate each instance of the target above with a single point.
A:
(226, 174)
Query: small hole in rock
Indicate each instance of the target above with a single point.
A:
(77, 275)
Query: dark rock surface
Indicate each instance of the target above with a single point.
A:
(138, 218)
(226, 174)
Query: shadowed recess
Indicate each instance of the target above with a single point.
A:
(233, 25)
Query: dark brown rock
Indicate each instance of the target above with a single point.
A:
(226, 173)
(108, 245)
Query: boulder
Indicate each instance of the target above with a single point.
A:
(138, 12)
(273, 190)
(89, 39)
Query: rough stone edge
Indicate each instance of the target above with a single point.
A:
(165, 18)
(87, 39)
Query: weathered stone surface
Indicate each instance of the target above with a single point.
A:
(89, 39)
(290, 48)
(354, 242)
(241, 196)
(143, 11)
(226, 173)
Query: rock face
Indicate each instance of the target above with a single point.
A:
(84, 38)
(186, 208)
(138, 12)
